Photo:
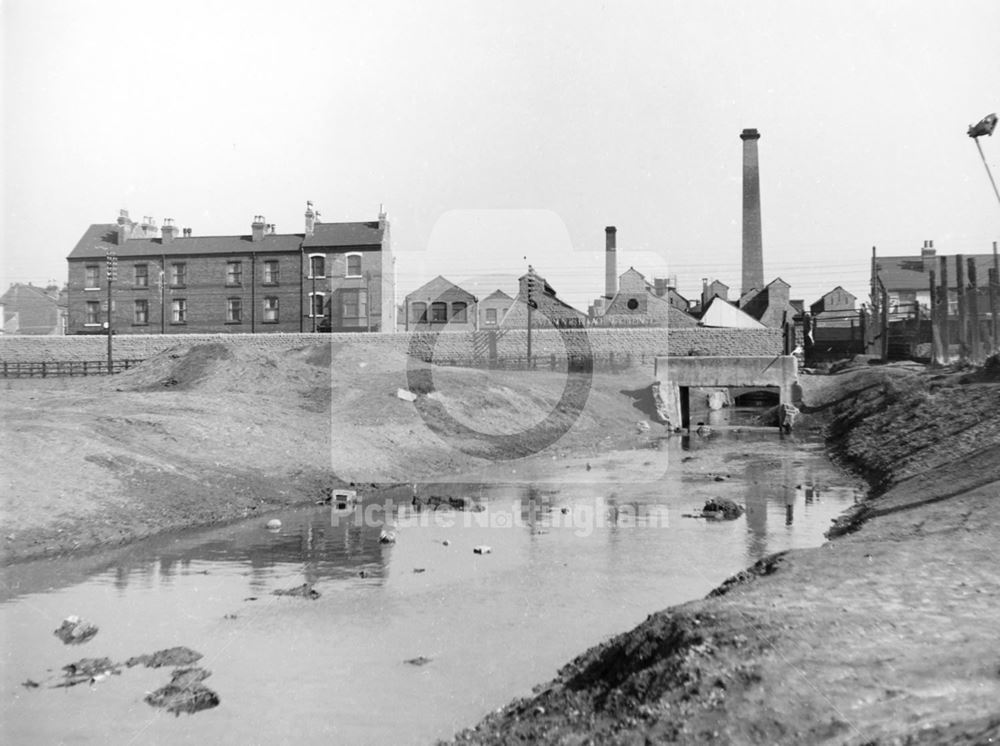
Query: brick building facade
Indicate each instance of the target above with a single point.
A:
(260, 282)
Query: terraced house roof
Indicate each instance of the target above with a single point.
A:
(98, 238)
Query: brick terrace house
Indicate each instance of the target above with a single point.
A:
(334, 276)
(440, 303)
(28, 309)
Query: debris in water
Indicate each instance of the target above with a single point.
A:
(482, 550)
(420, 660)
(74, 630)
(419, 569)
(406, 395)
(642, 426)
(230, 616)
(185, 693)
(446, 543)
(250, 598)
(179, 656)
(305, 590)
(387, 537)
(86, 669)
(274, 525)
(29, 684)
(721, 508)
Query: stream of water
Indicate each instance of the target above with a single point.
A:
(570, 565)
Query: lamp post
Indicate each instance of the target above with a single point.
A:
(985, 127)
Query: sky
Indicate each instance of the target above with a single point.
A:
(502, 134)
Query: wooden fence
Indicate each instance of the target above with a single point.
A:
(64, 368)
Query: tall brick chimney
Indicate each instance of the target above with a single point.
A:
(610, 262)
(753, 251)
(257, 228)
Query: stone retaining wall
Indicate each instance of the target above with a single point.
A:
(643, 342)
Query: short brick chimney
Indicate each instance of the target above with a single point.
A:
(257, 228)
(169, 230)
(927, 255)
(310, 219)
(125, 225)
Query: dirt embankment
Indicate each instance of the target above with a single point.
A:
(886, 635)
(207, 433)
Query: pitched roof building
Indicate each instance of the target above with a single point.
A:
(333, 276)
(440, 303)
(28, 309)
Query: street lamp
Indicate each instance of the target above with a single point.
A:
(985, 127)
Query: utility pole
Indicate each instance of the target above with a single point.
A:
(531, 305)
(112, 266)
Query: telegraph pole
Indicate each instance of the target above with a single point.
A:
(112, 265)
(985, 127)
(531, 305)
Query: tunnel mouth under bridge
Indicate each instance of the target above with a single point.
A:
(769, 381)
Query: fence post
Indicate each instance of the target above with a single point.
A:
(963, 330)
(972, 303)
(994, 281)
(935, 319)
(884, 331)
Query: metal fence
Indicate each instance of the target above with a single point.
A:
(64, 368)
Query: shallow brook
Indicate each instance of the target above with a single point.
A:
(407, 640)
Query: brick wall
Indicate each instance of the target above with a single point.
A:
(637, 342)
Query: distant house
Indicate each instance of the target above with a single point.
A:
(636, 303)
(906, 279)
(835, 303)
(331, 277)
(440, 303)
(834, 324)
(28, 309)
(493, 308)
(547, 309)
(770, 306)
(713, 289)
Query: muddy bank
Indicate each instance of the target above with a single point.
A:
(201, 434)
(886, 635)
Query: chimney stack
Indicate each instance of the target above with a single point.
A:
(125, 226)
(753, 252)
(660, 286)
(610, 262)
(310, 219)
(187, 233)
(257, 228)
(169, 231)
(927, 255)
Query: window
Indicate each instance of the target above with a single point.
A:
(439, 313)
(318, 304)
(354, 265)
(178, 311)
(270, 271)
(140, 276)
(93, 278)
(93, 313)
(491, 316)
(317, 266)
(418, 313)
(234, 310)
(234, 273)
(355, 302)
(632, 304)
(178, 274)
(140, 311)
(458, 312)
(270, 310)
